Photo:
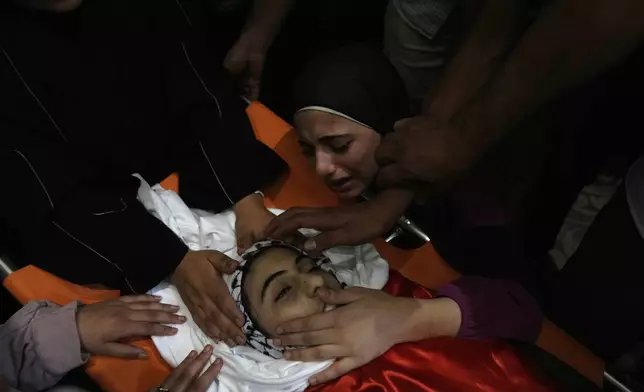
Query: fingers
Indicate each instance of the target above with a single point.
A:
(340, 297)
(134, 329)
(185, 378)
(140, 298)
(208, 377)
(244, 242)
(121, 350)
(155, 306)
(297, 239)
(156, 316)
(316, 322)
(334, 371)
(256, 66)
(281, 225)
(234, 61)
(221, 262)
(313, 338)
(322, 219)
(179, 370)
(316, 354)
(326, 240)
(402, 124)
(224, 313)
(228, 332)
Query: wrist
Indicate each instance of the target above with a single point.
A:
(250, 203)
(432, 318)
(394, 202)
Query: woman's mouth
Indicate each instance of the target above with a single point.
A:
(342, 185)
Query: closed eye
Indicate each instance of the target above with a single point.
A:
(282, 293)
(341, 149)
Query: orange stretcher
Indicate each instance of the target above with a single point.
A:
(301, 187)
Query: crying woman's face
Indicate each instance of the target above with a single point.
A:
(281, 286)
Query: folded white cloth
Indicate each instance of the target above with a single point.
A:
(245, 369)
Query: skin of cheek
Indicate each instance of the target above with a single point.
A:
(270, 315)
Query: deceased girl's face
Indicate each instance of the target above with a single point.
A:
(281, 286)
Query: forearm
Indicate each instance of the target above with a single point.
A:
(494, 308)
(39, 345)
(432, 318)
(494, 31)
(571, 42)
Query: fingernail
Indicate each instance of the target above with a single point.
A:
(287, 355)
(240, 340)
(279, 330)
(157, 297)
(183, 319)
(309, 245)
(231, 263)
(143, 355)
(175, 307)
(230, 343)
(218, 361)
(192, 354)
(277, 342)
(208, 348)
(240, 322)
(173, 331)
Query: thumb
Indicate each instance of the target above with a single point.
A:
(243, 243)
(402, 124)
(221, 262)
(339, 297)
(121, 350)
(326, 240)
(234, 61)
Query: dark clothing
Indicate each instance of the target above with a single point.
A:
(357, 81)
(90, 97)
(597, 296)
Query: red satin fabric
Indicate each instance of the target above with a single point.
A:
(439, 365)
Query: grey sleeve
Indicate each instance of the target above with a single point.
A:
(39, 345)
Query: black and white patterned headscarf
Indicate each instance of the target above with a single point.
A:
(254, 337)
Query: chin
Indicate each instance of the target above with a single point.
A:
(350, 193)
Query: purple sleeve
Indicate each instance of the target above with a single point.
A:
(39, 345)
(494, 308)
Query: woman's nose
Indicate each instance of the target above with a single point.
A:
(324, 164)
(311, 282)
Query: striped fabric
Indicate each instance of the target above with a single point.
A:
(425, 16)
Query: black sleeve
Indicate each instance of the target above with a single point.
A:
(225, 162)
(66, 218)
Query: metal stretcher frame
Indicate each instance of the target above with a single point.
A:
(298, 187)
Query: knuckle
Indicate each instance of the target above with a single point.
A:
(317, 353)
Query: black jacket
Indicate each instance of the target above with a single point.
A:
(89, 97)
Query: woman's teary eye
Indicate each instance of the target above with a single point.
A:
(282, 293)
(341, 148)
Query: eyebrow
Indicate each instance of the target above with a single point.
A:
(269, 280)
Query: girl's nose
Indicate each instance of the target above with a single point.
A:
(310, 284)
